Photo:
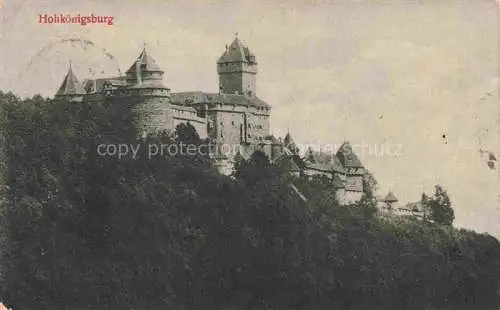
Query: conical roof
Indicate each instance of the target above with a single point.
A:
(146, 62)
(237, 52)
(347, 156)
(70, 85)
(390, 198)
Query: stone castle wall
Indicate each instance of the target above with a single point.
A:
(237, 78)
(232, 124)
(151, 115)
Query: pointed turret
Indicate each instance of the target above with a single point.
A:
(70, 86)
(144, 70)
(237, 70)
(390, 198)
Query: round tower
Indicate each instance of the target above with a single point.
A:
(354, 172)
(147, 99)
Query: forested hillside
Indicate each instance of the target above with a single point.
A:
(81, 230)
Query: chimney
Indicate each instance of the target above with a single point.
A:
(138, 71)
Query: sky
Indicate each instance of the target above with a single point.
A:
(413, 85)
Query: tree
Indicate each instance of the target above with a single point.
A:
(424, 202)
(440, 207)
(256, 169)
(187, 134)
(368, 203)
(81, 231)
(370, 184)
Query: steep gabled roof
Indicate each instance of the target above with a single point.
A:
(347, 156)
(146, 62)
(237, 52)
(70, 85)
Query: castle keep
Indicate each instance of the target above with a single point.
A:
(234, 117)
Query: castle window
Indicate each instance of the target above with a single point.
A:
(232, 123)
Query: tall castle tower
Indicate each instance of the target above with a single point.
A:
(355, 171)
(237, 70)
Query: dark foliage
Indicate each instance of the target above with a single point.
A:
(81, 230)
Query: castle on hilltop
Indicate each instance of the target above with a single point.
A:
(234, 117)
